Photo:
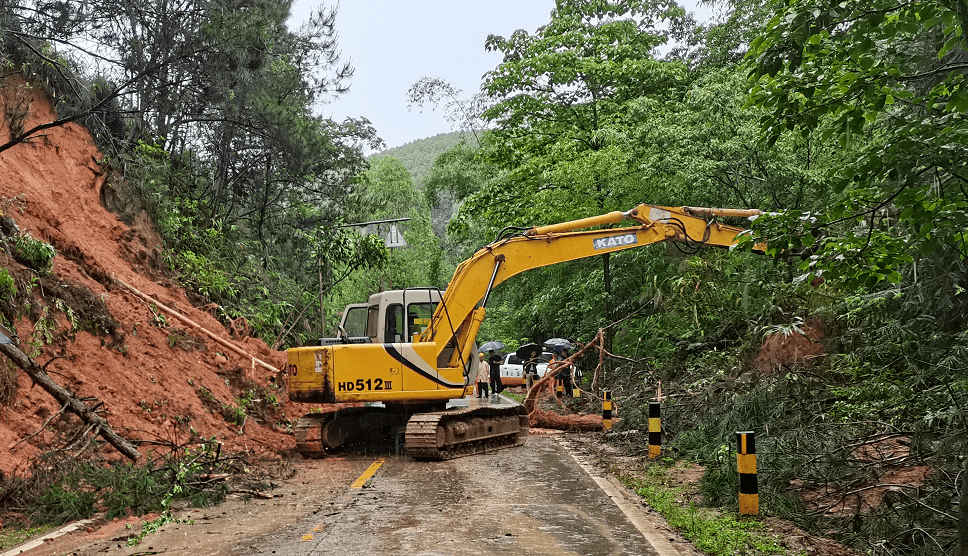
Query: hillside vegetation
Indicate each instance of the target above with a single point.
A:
(843, 347)
(419, 155)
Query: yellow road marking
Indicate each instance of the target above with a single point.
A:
(359, 482)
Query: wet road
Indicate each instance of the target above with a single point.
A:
(535, 499)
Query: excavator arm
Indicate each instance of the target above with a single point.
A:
(457, 319)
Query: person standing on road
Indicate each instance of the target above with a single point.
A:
(494, 360)
(567, 375)
(563, 378)
(531, 369)
(483, 374)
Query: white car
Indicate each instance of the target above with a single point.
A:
(512, 368)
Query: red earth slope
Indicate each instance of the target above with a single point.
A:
(55, 187)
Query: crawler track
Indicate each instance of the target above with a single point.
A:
(463, 431)
(437, 435)
(318, 434)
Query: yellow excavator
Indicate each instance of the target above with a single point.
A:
(419, 354)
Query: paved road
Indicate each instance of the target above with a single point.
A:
(535, 499)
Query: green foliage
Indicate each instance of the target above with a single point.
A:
(152, 527)
(34, 254)
(420, 155)
(127, 487)
(713, 532)
(66, 500)
(14, 535)
(560, 104)
(260, 403)
(8, 290)
(882, 78)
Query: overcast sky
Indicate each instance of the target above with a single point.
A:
(393, 43)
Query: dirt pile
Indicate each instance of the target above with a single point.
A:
(158, 381)
(796, 346)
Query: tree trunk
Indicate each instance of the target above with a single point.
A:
(66, 398)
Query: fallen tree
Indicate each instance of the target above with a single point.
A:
(67, 399)
(545, 385)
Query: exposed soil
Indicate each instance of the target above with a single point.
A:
(887, 461)
(145, 370)
(799, 346)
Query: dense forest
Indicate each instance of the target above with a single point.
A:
(843, 121)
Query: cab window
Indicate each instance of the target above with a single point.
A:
(355, 322)
(394, 328)
(418, 318)
(373, 322)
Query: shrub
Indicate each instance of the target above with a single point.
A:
(34, 254)
(7, 288)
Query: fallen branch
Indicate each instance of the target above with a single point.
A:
(253, 493)
(549, 419)
(196, 326)
(42, 427)
(69, 400)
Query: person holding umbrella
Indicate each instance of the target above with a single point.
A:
(494, 361)
(531, 368)
(529, 354)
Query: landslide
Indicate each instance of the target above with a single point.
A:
(157, 381)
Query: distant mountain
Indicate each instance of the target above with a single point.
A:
(418, 156)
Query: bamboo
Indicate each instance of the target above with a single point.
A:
(198, 327)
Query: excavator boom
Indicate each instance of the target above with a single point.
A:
(567, 241)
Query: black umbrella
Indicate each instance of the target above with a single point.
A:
(524, 352)
(554, 342)
(492, 346)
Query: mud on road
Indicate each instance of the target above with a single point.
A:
(535, 499)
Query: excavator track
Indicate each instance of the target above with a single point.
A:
(464, 431)
(318, 434)
(309, 441)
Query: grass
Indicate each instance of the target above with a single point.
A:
(514, 396)
(710, 530)
(12, 536)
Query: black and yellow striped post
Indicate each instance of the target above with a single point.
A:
(607, 409)
(749, 498)
(559, 388)
(655, 430)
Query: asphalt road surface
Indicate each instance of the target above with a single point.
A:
(535, 499)
(539, 498)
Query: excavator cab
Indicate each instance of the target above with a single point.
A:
(396, 316)
(399, 316)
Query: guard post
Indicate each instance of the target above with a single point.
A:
(607, 409)
(749, 500)
(655, 430)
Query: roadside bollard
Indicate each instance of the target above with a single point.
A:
(749, 499)
(655, 430)
(607, 409)
(559, 389)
